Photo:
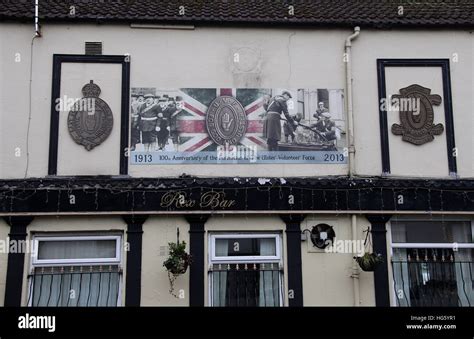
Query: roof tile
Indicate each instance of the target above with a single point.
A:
(376, 13)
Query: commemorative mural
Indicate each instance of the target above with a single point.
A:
(229, 125)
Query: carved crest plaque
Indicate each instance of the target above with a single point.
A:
(416, 115)
(90, 121)
(226, 120)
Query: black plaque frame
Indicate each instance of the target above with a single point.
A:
(58, 59)
(447, 100)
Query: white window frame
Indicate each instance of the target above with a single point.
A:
(423, 245)
(244, 258)
(278, 258)
(429, 244)
(35, 262)
(83, 261)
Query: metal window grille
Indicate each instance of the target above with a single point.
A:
(246, 284)
(69, 286)
(432, 277)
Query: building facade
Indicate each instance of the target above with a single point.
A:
(129, 126)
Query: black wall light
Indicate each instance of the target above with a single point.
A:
(322, 235)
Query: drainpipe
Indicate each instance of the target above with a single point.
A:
(37, 26)
(355, 268)
(350, 140)
(37, 35)
(350, 118)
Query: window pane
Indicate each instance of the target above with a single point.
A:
(398, 232)
(431, 232)
(75, 286)
(433, 277)
(245, 247)
(246, 284)
(79, 249)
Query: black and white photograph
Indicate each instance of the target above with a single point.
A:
(225, 125)
(236, 168)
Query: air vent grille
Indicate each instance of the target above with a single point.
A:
(93, 48)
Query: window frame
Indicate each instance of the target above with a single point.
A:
(278, 258)
(117, 260)
(393, 245)
(429, 244)
(243, 259)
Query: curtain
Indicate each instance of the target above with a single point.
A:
(401, 277)
(76, 289)
(269, 276)
(219, 278)
(79, 249)
(464, 265)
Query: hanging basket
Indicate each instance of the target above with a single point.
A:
(178, 260)
(178, 264)
(369, 261)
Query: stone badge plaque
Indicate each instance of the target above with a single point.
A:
(90, 121)
(417, 117)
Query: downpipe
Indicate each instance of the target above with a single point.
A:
(351, 148)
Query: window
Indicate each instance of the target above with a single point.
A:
(433, 263)
(245, 270)
(75, 271)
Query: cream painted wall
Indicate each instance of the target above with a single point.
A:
(105, 158)
(158, 231)
(74, 225)
(327, 276)
(244, 223)
(289, 58)
(4, 230)
(405, 158)
(374, 44)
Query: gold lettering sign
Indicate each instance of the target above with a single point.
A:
(176, 199)
(215, 200)
(180, 199)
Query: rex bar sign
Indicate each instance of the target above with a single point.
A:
(212, 200)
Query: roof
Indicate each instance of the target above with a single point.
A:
(366, 13)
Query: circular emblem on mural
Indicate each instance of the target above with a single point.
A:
(226, 120)
(90, 120)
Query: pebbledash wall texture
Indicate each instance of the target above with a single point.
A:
(187, 135)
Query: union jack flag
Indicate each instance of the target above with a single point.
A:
(192, 124)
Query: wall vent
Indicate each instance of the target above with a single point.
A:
(93, 48)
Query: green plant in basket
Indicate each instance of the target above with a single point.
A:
(369, 261)
(177, 262)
